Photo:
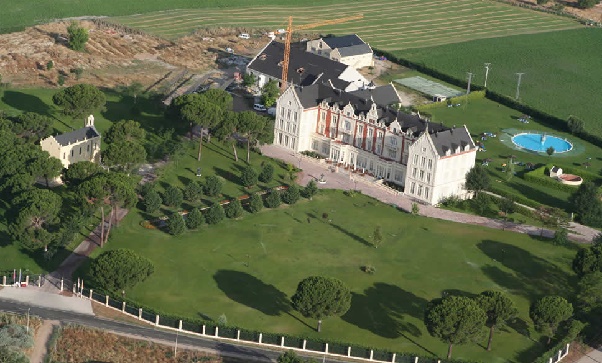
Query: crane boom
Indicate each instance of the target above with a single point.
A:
(289, 36)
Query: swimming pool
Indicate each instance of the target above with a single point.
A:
(541, 142)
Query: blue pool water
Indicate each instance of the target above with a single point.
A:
(541, 142)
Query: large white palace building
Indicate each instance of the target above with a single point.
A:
(356, 131)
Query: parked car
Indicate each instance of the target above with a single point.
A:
(229, 50)
(244, 36)
(259, 107)
(272, 111)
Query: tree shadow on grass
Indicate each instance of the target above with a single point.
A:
(252, 292)
(532, 276)
(384, 309)
(218, 150)
(341, 229)
(26, 102)
(228, 175)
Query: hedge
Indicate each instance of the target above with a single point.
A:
(540, 176)
(518, 198)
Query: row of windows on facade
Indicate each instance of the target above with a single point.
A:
(360, 162)
(80, 151)
(284, 140)
(420, 190)
(391, 152)
(423, 160)
(420, 174)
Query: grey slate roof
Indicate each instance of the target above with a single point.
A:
(450, 139)
(313, 95)
(76, 136)
(344, 41)
(354, 50)
(313, 66)
(383, 95)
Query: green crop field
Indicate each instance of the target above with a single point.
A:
(562, 69)
(386, 24)
(248, 269)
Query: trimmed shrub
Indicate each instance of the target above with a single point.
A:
(267, 173)
(175, 224)
(213, 186)
(234, 209)
(173, 196)
(152, 202)
(291, 195)
(249, 177)
(118, 269)
(255, 203)
(193, 191)
(215, 214)
(310, 189)
(194, 219)
(273, 199)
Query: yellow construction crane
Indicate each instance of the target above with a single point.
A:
(289, 34)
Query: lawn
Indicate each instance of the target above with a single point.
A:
(248, 269)
(561, 69)
(417, 23)
(487, 116)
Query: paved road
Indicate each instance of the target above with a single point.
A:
(148, 333)
(342, 179)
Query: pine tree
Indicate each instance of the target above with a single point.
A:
(234, 209)
(255, 203)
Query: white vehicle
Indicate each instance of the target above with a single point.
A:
(244, 36)
(229, 50)
(259, 107)
(272, 111)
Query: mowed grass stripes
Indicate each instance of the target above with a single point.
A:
(390, 25)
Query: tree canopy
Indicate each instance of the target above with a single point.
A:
(575, 125)
(499, 309)
(124, 155)
(319, 297)
(589, 296)
(32, 126)
(588, 260)
(548, 312)
(38, 211)
(125, 130)
(119, 269)
(455, 320)
(79, 100)
(81, 171)
(270, 93)
(477, 179)
(586, 203)
(78, 37)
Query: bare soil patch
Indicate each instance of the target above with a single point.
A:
(114, 55)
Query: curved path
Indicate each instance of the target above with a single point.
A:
(312, 169)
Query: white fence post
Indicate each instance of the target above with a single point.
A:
(180, 325)
(238, 334)
(203, 331)
(326, 348)
(139, 313)
(123, 307)
(393, 358)
(61, 284)
(371, 354)
(282, 341)
(415, 359)
(559, 354)
(106, 300)
(4, 280)
(157, 320)
(304, 343)
(91, 294)
(216, 331)
(349, 351)
(260, 337)
(72, 289)
(551, 360)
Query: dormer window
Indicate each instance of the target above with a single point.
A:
(263, 57)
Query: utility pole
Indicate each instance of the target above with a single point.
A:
(469, 80)
(175, 349)
(28, 319)
(520, 76)
(486, 73)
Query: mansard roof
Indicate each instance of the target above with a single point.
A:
(304, 68)
(77, 136)
(452, 139)
(315, 94)
(382, 95)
